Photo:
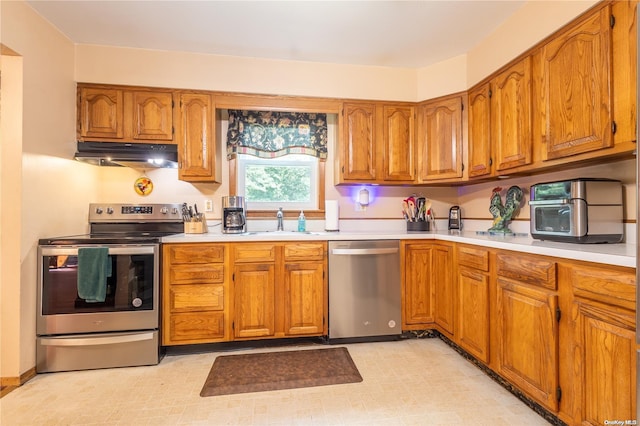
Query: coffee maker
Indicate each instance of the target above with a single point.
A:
(234, 215)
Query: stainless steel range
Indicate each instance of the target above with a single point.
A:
(98, 294)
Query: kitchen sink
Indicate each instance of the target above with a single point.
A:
(275, 233)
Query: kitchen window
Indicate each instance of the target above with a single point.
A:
(277, 159)
(290, 182)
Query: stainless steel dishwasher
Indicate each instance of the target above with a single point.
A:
(364, 290)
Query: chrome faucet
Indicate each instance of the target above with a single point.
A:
(280, 216)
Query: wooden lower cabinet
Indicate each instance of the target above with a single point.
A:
(527, 325)
(417, 288)
(280, 290)
(428, 286)
(254, 300)
(444, 288)
(304, 293)
(472, 325)
(603, 350)
(528, 340)
(195, 292)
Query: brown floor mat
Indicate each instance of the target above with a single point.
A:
(280, 370)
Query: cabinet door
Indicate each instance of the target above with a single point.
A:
(528, 340)
(304, 298)
(511, 116)
(254, 297)
(101, 113)
(399, 132)
(443, 284)
(153, 116)
(418, 290)
(196, 139)
(440, 135)
(358, 152)
(479, 131)
(606, 363)
(472, 327)
(575, 98)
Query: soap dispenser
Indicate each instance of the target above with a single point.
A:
(302, 222)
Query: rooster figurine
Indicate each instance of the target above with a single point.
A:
(502, 214)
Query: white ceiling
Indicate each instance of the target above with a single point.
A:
(396, 33)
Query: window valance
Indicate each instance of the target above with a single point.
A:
(270, 134)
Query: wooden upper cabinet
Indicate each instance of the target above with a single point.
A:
(358, 154)
(480, 131)
(511, 136)
(440, 139)
(125, 114)
(575, 97)
(153, 116)
(101, 113)
(196, 139)
(398, 158)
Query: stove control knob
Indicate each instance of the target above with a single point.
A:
(109, 210)
(99, 210)
(174, 210)
(164, 210)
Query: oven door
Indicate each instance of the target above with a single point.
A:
(132, 289)
(558, 219)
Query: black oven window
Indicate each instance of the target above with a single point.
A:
(129, 287)
(553, 219)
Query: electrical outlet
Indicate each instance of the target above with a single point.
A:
(208, 206)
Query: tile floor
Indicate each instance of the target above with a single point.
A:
(409, 382)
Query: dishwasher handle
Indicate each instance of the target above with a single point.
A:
(363, 251)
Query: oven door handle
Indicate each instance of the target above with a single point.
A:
(551, 202)
(95, 341)
(73, 250)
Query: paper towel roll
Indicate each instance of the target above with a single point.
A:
(331, 215)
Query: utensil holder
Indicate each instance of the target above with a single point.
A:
(195, 227)
(422, 226)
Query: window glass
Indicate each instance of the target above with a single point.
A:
(290, 182)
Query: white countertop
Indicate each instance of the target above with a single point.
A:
(623, 254)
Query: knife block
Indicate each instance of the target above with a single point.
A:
(195, 227)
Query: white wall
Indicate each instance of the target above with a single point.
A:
(530, 24)
(54, 189)
(10, 196)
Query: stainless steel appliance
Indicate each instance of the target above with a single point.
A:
(234, 215)
(455, 218)
(364, 290)
(128, 154)
(121, 328)
(577, 211)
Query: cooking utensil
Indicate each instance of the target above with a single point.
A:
(412, 208)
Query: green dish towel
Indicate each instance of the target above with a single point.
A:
(93, 269)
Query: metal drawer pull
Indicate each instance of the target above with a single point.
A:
(85, 341)
(364, 251)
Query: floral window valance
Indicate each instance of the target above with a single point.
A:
(270, 134)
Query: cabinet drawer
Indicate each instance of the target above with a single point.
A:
(473, 257)
(254, 252)
(526, 269)
(196, 297)
(196, 327)
(192, 274)
(305, 251)
(613, 287)
(194, 253)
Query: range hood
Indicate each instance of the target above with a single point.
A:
(134, 155)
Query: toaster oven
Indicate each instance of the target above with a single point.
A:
(580, 210)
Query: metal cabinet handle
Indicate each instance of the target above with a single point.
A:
(93, 341)
(350, 252)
